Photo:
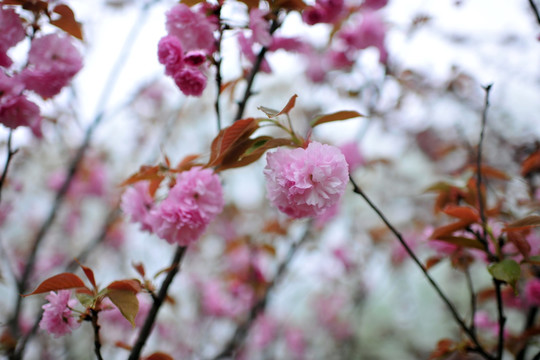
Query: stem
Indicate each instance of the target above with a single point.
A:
(218, 60)
(535, 10)
(73, 166)
(260, 306)
(10, 153)
(158, 301)
(434, 284)
(531, 316)
(481, 209)
(97, 342)
(473, 299)
(254, 70)
(502, 318)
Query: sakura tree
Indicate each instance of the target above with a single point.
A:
(269, 179)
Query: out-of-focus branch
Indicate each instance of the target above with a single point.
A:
(535, 10)
(478, 347)
(217, 61)
(254, 70)
(10, 153)
(242, 330)
(97, 341)
(158, 301)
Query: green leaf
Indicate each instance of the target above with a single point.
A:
(507, 270)
(337, 116)
(271, 113)
(126, 301)
(86, 300)
(535, 260)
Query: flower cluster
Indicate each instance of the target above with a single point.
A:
(57, 316)
(52, 62)
(184, 50)
(306, 182)
(193, 202)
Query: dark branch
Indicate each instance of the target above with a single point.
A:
(478, 347)
(158, 301)
(10, 153)
(97, 342)
(254, 70)
(535, 10)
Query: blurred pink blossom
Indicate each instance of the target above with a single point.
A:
(324, 11)
(371, 31)
(194, 29)
(246, 47)
(306, 182)
(57, 317)
(329, 313)
(375, 4)
(296, 342)
(137, 203)
(352, 154)
(260, 27)
(11, 33)
(195, 200)
(532, 292)
(53, 61)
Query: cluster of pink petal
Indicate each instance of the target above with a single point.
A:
(532, 292)
(183, 51)
(195, 200)
(53, 61)
(306, 182)
(57, 316)
(329, 314)
(137, 203)
(225, 301)
(260, 27)
(11, 33)
(15, 109)
(371, 31)
(246, 48)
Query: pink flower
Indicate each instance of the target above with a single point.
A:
(220, 301)
(194, 29)
(370, 32)
(375, 4)
(57, 318)
(137, 203)
(324, 11)
(11, 32)
(190, 81)
(195, 200)
(53, 61)
(260, 27)
(306, 182)
(352, 154)
(171, 54)
(287, 44)
(19, 111)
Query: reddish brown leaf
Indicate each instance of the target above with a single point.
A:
(491, 172)
(229, 136)
(289, 106)
(531, 164)
(464, 213)
(59, 282)
(523, 224)
(123, 345)
(132, 285)
(144, 173)
(250, 157)
(154, 185)
(159, 356)
(274, 227)
(89, 275)
(444, 348)
(337, 116)
(449, 229)
(432, 261)
(518, 239)
(139, 267)
(67, 21)
(461, 241)
(187, 162)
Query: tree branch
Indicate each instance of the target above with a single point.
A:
(535, 10)
(158, 301)
(478, 347)
(254, 70)
(10, 153)
(95, 325)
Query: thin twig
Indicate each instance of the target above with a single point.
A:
(217, 62)
(73, 166)
(254, 70)
(95, 325)
(10, 153)
(502, 318)
(529, 322)
(158, 301)
(242, 330)
(479, 348)
(535, 10)
(470, 286)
